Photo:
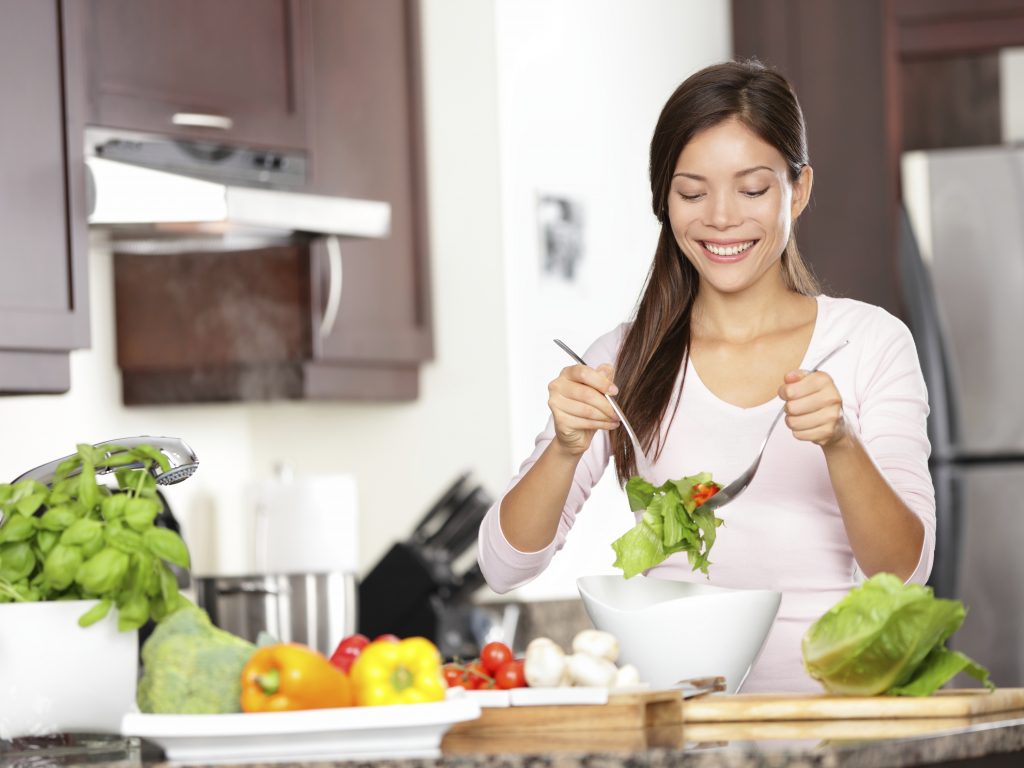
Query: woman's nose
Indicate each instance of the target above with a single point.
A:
(721, 211)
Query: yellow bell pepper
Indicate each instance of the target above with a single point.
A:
(403, 672)
(289, 676)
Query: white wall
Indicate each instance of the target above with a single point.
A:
(520, 97)
(581, 84)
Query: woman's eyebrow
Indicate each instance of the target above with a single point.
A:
(738, 174)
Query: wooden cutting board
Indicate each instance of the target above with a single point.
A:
(623, 711)
(462, 741)
(746, 707)
(837, 730)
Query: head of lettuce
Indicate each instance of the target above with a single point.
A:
(887, 637)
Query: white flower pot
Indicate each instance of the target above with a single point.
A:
(58, 677)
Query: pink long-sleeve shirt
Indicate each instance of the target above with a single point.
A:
(785, 532)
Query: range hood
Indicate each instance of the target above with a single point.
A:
(141, 183)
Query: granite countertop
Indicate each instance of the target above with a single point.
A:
(994, 740)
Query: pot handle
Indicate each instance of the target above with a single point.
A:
(248, 588)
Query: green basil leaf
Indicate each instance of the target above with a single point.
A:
(112, 507)
(28, 505)
(61, 565)
(144, 575)
(45, 541)
(103, 573)
(66, 468)
(140, 513)
(17, 528)
(122, 538)
(168, 583)
(154, 456)
(58, 518)
(82, 532)
(16, 561)
(132, 613)
(136, 481)
(97, 613)
(167, 545)
(88, 490)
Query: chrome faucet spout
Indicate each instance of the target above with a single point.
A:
(181, 458)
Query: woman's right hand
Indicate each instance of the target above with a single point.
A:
(579, 406)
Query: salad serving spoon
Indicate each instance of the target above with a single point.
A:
(739, 485)
(637, 450)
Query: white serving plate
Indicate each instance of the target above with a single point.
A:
(535, 697)
(366, 733)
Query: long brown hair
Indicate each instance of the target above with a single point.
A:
(657, 343)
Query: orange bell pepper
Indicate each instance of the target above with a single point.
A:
(289, 676)
(403, 672)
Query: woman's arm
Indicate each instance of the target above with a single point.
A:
(884, 533)
(531, 510)
(521, 532)
(879, 474)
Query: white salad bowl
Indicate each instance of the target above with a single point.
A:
(675, 630)
(58, 677)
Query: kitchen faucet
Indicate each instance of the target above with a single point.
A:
(182, 459)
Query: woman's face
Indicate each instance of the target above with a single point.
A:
(732, 205)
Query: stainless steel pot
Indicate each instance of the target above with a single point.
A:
(316, 609)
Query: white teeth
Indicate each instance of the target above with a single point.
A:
(728, 250)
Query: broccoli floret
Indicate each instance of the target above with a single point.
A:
(192, 667)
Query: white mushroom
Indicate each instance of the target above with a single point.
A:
(626, 677)
(587, 669)
(544, 665)
(596, 643)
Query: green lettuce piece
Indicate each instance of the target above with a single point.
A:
(938, 668)
(887, 637)
(671, 522)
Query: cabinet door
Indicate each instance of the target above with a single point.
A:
(368, 144)
(43, 311)
(230, 69)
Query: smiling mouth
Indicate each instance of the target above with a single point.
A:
(732, 250)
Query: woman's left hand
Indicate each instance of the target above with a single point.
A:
(814, 407)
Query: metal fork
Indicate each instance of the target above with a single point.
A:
(739, 485)
(637, 450)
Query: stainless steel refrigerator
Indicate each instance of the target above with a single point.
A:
(962, 270)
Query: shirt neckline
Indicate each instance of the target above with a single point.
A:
(692, 375)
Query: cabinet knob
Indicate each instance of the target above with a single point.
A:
(201, 120)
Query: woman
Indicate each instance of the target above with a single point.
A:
(728, 323)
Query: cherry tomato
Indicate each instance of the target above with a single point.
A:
(511, 675)
(477, 677)
(454, 675)
(493, 655)
(348, 651)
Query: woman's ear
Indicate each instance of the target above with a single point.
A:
(802, 191)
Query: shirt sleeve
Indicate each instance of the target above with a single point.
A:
(505, 567)
(893, 423)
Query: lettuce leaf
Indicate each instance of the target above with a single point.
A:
(887, 637)
(671, 522)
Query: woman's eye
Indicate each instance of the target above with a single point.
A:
(755, 192)
(691, 198)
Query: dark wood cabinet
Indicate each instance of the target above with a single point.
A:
(43, 285)
(232, 70)
(876, 78)
(301, 321)
(368, 144)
